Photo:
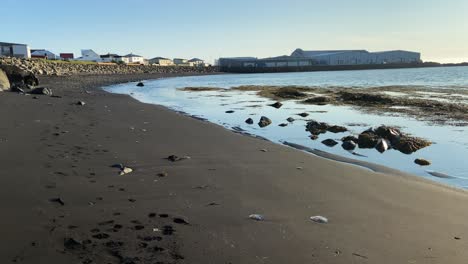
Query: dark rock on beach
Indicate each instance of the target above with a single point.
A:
(337, 129)
(42, 90)
(19, 77)
(264, 121)
(249, 121)
(290, 119)
(140, 84)
(303, 114)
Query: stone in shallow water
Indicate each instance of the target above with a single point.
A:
(249, 121)
(422, 162)
(277, 105)
(382, 145)
(348, 145)
(329, 142)
(264, 121)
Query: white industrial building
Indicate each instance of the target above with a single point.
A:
(89, 55)
(302, 58)
(357, 57)
(14, 50)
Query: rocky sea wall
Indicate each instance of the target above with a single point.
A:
(59, 68)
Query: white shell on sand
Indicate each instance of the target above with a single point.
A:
(257, 217)
(125, 170)
(319, 219)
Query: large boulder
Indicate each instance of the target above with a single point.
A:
(4, 82)
(19, 77)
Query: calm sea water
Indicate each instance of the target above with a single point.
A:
(449, 153)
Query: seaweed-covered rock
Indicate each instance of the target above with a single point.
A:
(364, 98)
(408, 145)
(264, 121)
(318, 100)
(289, 93)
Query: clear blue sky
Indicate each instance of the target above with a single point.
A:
(213, 28)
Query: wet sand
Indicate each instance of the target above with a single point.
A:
(196, 210)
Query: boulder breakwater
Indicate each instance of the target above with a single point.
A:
(59, 68)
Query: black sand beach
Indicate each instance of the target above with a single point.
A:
(63, 202)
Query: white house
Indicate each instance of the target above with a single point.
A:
(14, 50)
(197, 62)
(161, 61)
(134, 59)
(43, 54)
(89, 55)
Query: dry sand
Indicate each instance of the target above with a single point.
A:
(52, 148)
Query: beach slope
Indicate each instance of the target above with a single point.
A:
(63, 202)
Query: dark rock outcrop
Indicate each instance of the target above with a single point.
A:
(140, 84)
(384, 138)
(249, 121)
(18, 77)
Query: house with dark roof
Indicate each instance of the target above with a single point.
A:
(111, 57)
(133, 59)
(14, 50)
(43, 54)
(161, 61)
